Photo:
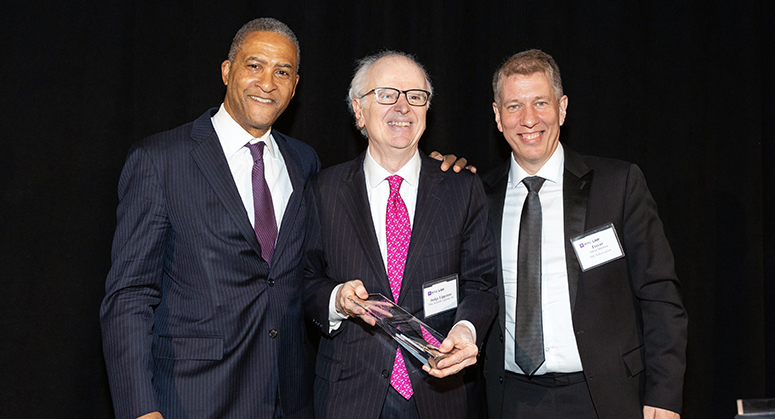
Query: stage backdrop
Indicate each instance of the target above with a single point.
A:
(682, 88)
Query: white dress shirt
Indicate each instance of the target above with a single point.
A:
(560, 349)
(233, 139)
(378, 192)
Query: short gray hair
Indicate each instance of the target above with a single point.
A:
(263, 24)
(527, 63)
(358, 83)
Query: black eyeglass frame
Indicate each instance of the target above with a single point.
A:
(376, 96)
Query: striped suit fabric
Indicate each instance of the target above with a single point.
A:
(195, 323)
(449, 235)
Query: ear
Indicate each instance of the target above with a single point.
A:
(225, 68)
(563, 108)
(358, 110)
(497, 116)
(296, 84)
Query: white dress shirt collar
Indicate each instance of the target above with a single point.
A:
(552, 170)
(233, 137)
(375, 174)
(240, 160)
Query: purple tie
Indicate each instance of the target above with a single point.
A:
(265, 224)
(398, 235)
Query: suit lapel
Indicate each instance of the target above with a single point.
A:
(211, 161)
(356, 204)
(292, 164)
(428, 204)
(577, 179)
(495, 187)
(496, 195)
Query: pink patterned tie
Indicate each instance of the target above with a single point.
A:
(429, 337)
(398, 234)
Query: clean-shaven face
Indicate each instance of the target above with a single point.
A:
(529, 116)
(392, 129)
(261, 81)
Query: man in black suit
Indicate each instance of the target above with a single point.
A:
(392, 222)
(603, 334)
(202, 317)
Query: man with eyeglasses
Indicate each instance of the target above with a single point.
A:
(391, 222)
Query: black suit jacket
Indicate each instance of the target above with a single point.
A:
(449, 235)
(628, 315)
(195, 324)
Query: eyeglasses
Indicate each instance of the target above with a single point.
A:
(389, 96)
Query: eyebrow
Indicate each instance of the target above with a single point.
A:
(516, 100)
(264, 60)
(533, 99)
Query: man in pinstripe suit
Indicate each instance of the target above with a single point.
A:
(199, 321)
(350, 250)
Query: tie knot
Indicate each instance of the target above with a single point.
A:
(395, 183)
(533, 183)
(256, 150)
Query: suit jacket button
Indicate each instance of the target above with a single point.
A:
(273, 333)
(500, 380)
(501, 338)
(385, 374)
(271, 282)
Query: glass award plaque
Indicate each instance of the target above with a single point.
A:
(410, 332)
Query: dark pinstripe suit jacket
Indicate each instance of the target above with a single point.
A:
(449, 235)
(195, 324)
(628, 314)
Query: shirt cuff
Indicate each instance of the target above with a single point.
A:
(470, 326)
(334, 317)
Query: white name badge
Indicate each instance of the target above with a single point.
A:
(440, 295)
(597, 246)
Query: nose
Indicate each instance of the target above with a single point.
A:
(529, 118)
(402, 106)
(266, 81)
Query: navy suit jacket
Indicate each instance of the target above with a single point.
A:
(449, 235)
(628, 314)
(195, 323)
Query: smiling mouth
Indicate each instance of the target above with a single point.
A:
(531, 136)
(399, 123)
(261, 100)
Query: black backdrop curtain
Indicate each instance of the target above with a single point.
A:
(682, 88)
